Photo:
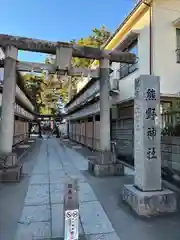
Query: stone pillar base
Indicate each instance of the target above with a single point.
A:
(106, 157)
(11, 159)
(103, 170)
(12, 174)
(147, 204)
(8, 160)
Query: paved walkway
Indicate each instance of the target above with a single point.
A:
(127, 224)
(102, 215)
(42, 215)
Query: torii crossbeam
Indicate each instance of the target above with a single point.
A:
(36, 45)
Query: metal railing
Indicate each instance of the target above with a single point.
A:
(170, 123)
(127, 69)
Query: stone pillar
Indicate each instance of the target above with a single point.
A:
(105, 145)
(147, 135)
(8, 101)
(63, 57)
(146, 196)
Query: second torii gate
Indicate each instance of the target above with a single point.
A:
(64, 53)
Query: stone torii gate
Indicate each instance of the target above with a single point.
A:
(64, 53)
(146, 196)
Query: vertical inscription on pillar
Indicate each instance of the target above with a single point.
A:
(147, 133)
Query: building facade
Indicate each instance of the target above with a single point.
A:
(152, 32)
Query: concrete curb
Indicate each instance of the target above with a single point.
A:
(20, 158)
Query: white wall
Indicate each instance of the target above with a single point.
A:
(164, 45)
(115, 74)
(82, 83)
(126, 85)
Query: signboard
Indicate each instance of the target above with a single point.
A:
(71, 224)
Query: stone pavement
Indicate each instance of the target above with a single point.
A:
(42, 214)
(102, 215)
(126, 224)
(12, 195)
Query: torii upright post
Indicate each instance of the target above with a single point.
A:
(105, 145)
(8, 100)
(105, 166)
(63, 62)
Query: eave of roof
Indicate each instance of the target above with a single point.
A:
(110, 40)
(123, 23)
(88, 85)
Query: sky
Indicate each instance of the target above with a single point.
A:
(59, 20)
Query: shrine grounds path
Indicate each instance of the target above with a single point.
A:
(33, 208)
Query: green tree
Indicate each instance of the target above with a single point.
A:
(51, 93)
(35, 85)
(45, 93)
(100, 36)
(96, 39)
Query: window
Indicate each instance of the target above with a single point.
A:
(126, 69)
(165, 107)
(166, 117)
(97, 117)
(133, 48)
(178, 45)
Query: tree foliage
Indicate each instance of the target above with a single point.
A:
(96, 39)
(44, 93)
(35, 86)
